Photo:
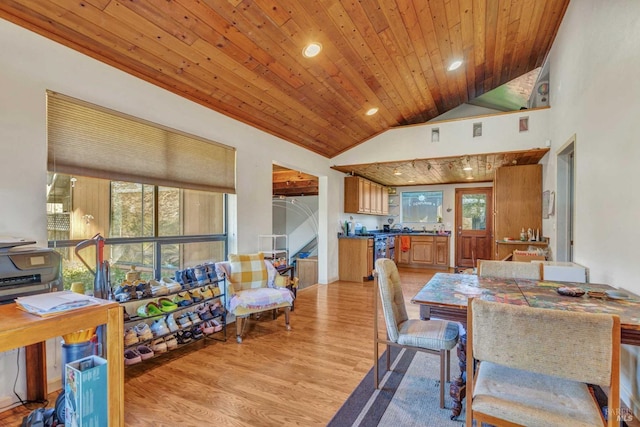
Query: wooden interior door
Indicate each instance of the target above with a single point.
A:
(474, 219)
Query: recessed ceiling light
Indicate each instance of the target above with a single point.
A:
(467, 165)
(372, 111)
(397, 172)
(469, 177)
(411, 180)
(312, 49)
(454, 65)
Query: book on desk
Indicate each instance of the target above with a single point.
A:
(51, 303)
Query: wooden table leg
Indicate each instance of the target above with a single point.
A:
(36, 363)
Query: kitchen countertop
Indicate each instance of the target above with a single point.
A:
(395, 233)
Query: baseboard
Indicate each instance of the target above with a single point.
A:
(8, 402)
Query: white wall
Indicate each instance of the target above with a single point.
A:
(595, 94)
(30, 65)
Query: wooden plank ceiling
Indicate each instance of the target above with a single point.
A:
(444, 170)
(243, 58)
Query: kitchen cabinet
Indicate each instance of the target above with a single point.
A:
(517, 194)
(422, 250)
(442, 251)
(362, 196)
(425, 251)
(355, 259)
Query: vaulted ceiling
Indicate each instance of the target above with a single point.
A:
(243, 58)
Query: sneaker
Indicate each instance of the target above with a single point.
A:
(145, 352)
(216, 291)
(184, 337)
(197, 333)
(130, 337)
(193, 316)
(191, 277)
(159, 346)
(125, 292)
(171, 284)
(143, 331)
(184, 321)
(159, 327)
(171, 342)
(131, 357)
(217, 310)
(211, 271)
(204, 312)
(158, 288)
(200, 271)
(171, 323)
(143, 289)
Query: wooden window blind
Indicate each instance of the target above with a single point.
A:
(88, 140)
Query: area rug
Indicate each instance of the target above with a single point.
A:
(408, 395)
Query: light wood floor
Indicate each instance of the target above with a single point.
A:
(275, 377)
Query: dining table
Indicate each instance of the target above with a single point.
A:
(446, 295)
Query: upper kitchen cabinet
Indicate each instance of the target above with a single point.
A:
(362, 196)
(517, 192)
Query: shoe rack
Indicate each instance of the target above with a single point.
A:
(185, 335)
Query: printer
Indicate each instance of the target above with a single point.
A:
(28, 271)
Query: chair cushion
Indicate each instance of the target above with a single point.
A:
(431, 334)
(259, 299)
(531, 399)
(248, 271)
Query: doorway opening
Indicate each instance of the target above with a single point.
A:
(474, 225)
(565, 200)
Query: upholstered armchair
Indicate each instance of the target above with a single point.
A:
(253, 286)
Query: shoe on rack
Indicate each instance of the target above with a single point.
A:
(158, 289)
(191, 277)
(167, 305)
(145, 352)
(208, 327)
(197, 333)
(171, 323)
(143, 331)
(193, 316)
(171, 342)
(184, 337)
(217, 325)
(206, 292)
(130, 337)
(131, 357)
(149, 309)
(159, 346)
(183, 299)
(217, 310)
(159, 327)
(196, 295)
(171, 284)
(211, 271)
(125, 292)
(143, 289)
(216, 290)
(200, 271)
(184, 321)
(204, 312)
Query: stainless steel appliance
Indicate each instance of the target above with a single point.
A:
(379, 246)
(28, 271)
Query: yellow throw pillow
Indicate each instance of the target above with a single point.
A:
(281, 281)
(248, 271)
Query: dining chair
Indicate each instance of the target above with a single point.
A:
(510, 269)
(430, 336)
(537, 371)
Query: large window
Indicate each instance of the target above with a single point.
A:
(156, 229)
(157, 195)
(421, 206)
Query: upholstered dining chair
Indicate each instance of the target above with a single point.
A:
(536, 371)
(511, 269)
(430, 336)
(252, 287)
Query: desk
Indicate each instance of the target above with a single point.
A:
(21, 329)
(446, 296)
